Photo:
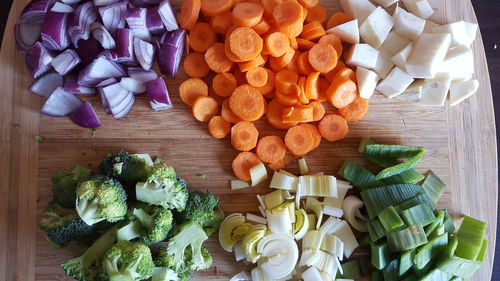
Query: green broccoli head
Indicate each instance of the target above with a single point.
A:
(166, 274)
(203, 208)
(115, 163)
(89, 266)
(64, 185)
(100, 198)
(128, 261)
(151, 224)
(164, 260)
(61, 228)
(129, 169)
(163, 188)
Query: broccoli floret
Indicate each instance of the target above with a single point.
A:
(88, 266)
(166, 274)
(101, 198)
(203, 208)
(151, 224)
(165, 261)
(61, 228)
(64, 185)
(129, 169)
(163, 188)
(185, 248)
(128, 261)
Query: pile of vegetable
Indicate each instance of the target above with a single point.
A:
(407, 56)
(408, 237)
(268, 59)
(106, 47)
(135, 204)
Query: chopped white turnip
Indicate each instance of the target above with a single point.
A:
(435, 90)
(362, 55)
(408, 25)
(367, 81)
(395, 83)
(347, 32)
(461, 91)
(376, 27)
(428, 54)
(420, 8)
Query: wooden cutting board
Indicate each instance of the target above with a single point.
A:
(461, 143)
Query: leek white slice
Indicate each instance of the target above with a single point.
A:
(242, 276)
(407, 24)
(315, 206)
(420, 8)
(461, 91)
(239, 251)
(318, 185)
(261, 202)
(237, 184)
(262, 211)
(333, 211)
(303, 166)
(312, 274)
(286, 173)
(259, 275)
(350, 206)
(336, 202)
(312, 240)
(279, 221)
(312, 221)
(251, 240)
(301, 223)
(435, 91)
(324, 262)
(256, 219)
(345, 233)
(376, 27)
(258, 174)
(284, 181)
(367, 81)
(331, 225)
(274, 199)
(333, 245)
(298, 194)
(347, 32)
(394, 43)
(279, 255)
(226, 229)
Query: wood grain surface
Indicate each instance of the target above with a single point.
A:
(461, 143)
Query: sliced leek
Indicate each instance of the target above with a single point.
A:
(242, 276)
(420, 214)
(312, 204)
(350, 242)
(390, 219)
(251, 240)
(333, 245)
(437, 222)
(312, 221)
(318, 185)
(380, 255)
(237, 184)
(336, 202)
(351, 205)
(312, 274)
(284, 181)
(301, 223)
(279, 255)
(274, 199)
(406, 239)
(228, 225)
(352, 269)
(278, 221)
(323, 261)
(376, 230)
(358, 175)
(331, 225)
(256, 219)
(303, 166)
(379, 198)
(312, 240)
(433, 186)
(408, 176)
(470, 237)
(239, 252)
(258, 174)
(406, 261)
(420, 198)
(430, 250)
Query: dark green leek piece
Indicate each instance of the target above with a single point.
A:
(358, 175)
(376, 230)
(420, 214)
(406, 261)
(379, 198)
(433, 186)
(430, 250)
(470, 238)
(408, 176)
(380, 255)
(390, 219)
(406, 239)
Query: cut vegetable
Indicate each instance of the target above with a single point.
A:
(258, 174)
(435, 90)
(428, 53)
(237, 184)
(395, 83)
(407, 24)
(362, 55)
(359, 9)
(376, 27)
(348, 32)
(377, 199)
(420, 8)
(406, 239)
(351, 206)
(158, 96)
(460, 91)
(227, 227)
(280, 254)
(433, 187)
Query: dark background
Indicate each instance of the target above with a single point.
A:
(488, 14)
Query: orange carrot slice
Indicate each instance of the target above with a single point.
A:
(188, 15)
(312, 86)
(217, 60)
(299, 140)
(318, 110)
(289, 17)
(333, 127)
(273, 115)
(222, 22)
(224, 84)
(191, 89)
(227, 114)
(309, 3)
(303, 64)
(342, 92)
(297, 114)
(242, 164)
(316, 13)
(355, 111)
(201, 37)
(218, 127)
(323, 57)
(285, 81)
(244, 136)
(278, 63)
(247, 14)
(333, 40)
(257, 77)
(204, 108)
(213, 8)
(247, 103)
(304, 45)
(196, 66)
(262, 27)
(269, 86)
(313, 31)
(271, 149)
(277, 44)
(245, 43)
(314, 132)
(247, 65)
(338, 19)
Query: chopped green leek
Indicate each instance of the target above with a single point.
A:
(482, 253)
(351, 270)
(380, 255)
(274, 199)
(390, 219)
(458, 266)
(377, 199)
(470, 238)
(377, 276)
(358, 175)
(388, 157)
(437, 232)
(423, 271)
(414, 201)
(430, 250)
(408, 176)
(376, 230)
(433, 186)
(406, 239)
(448, 224)
(420, 214)
(437, 222)
(363, 143)
(406, 261)
(391, 272)
(436, 275)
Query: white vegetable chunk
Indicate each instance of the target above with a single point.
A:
(428, 53)
(359, 9)
(413, 92)
(429, 25)
(394, 43)
(457, 30)
(385, 3)
(459, 63)
(400, 58)
(367, 81)
(312, 274)
(362, 55)
(420, 8)
(384, 64)
(395, 83)
(461, 91)
(435, 90)
(258, 174)
(407, 24)
(376, 27)
(471, 30)
(347, 32)
(345, 233)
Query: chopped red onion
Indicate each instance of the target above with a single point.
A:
(169, 58)
(154, 22)
(99, 70)
(70, 2)
(104, 2)
(62, 8)
(65, 61)
(136, 20)
(158, 94)
(117, 98)
(107, 82)
(54, 35)
(113, 16)
(144, 53)
(79, 28)
(133, 85)
(124, 50)
(71, 86)
(60, 103)
(126, 109)
(26, 35)
(35, 11)
(102, 35)
(46, 84)
(88, 50)
(168, 16)
(85, 116)
(38, 60)
(100, 88)
(141, 74)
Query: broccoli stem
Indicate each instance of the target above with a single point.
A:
(88, 211)
(146, 219)
(115, 274)
(129, 231)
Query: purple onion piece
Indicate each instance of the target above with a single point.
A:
(54, 34)
(169, 57)
(26, 35)
(176, 38)
(46, 84)
(60, 103)
(126, 109)
(113, 16)
(62, 8)
(99, 70)
(38, 60)
(133, 85)
(141, 74)
(168, 16)
(136, 19)
(152, 2)
(79, 28)
(154, 22)
(71, 86)
(157, 92)
(124, 39)
(107, 82)
(102, 35)
(85, 116)
(117, 99)
(35, 11)
(71, 2)
(144, 53)
(104, 2)
(104, 101)
(65, 61)
(88, 50)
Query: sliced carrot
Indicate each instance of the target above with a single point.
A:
(342, 92)
(345, 72)
(314, 132)
(289, 99)
(271, 149)
(316, 13)
(269, 87)
(278, 63)
(312, 86)
(333, 40)
(297, 114)
(247, 103)
(304, 45)
(229, 54)
(228, 114)
(277, 44)
(338, 19)
(242, 164)
(245, 43)
(293, 66)
(196, 66)
(269, 6)
(313, 31)
(236, 2)
(191, 89)
(323, 86)
(218, 127)
(247, 65)
(302, 90)
(271, 95)
(224, 84)
(201, 37)
(262, 27)
(303, 64)
(213, 8)
(244, 136)
(299, 140)
(204, 108)
(230, 30)
(211, 93)
(309, 3)
(318, 110)
(217, 60)
(240, 76)
(333, 73)
(274, 113)
(285, 79)
(247, 14)
(278, 165)
(355, 111)
(289, 18)
(333, 127)
(222, 22)
(188, 15)
(257, 77)
(293, 43)
(323, 57)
